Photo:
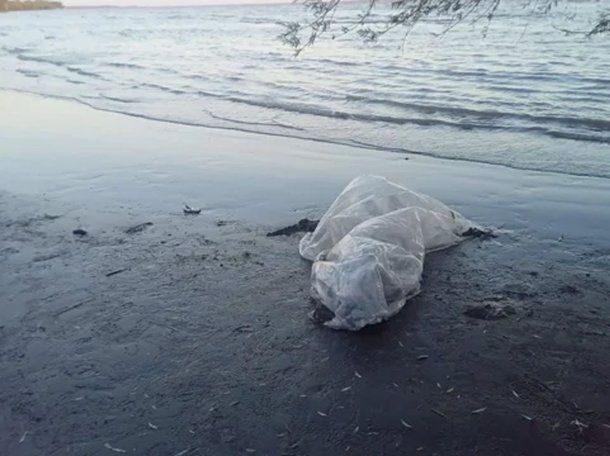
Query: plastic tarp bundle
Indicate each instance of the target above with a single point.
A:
(368, 250)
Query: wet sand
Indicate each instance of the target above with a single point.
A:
(192, 336)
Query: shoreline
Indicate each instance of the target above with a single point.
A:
(330, 142)
(192, 333)
(252, 153)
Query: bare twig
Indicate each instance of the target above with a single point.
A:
(407, 14)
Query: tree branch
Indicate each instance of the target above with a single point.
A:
(407, 14)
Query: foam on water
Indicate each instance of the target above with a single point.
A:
(536, 100)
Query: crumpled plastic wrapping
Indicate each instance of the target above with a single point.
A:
(368, 250)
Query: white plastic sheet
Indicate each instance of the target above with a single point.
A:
(368, 249)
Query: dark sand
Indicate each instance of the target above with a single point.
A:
(192, 337)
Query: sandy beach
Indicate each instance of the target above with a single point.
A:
(190, 335)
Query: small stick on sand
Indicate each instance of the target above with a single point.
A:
(405, 424)
(115, 449)
(118, 271)
(439, 413)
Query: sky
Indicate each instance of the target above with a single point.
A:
(165, 2)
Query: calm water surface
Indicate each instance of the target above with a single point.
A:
(525, 96)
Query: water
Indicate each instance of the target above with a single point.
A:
(525, 96)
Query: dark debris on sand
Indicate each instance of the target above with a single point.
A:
(304, 225)
(138, 228)
(479, 233)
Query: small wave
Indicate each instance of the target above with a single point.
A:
(258, 20)
(340, 63)
(82, 72)
(28, 73)
(245, 122)
(117, 99)
(175, 17)
(203, 93)
(163, 88)
(15, 50)
(132, 66)
(512, 89)
(195, 77)
(39, 59)
(579, 136)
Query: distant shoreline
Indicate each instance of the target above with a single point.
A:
(30, 5)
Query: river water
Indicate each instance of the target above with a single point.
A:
(526, 95)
